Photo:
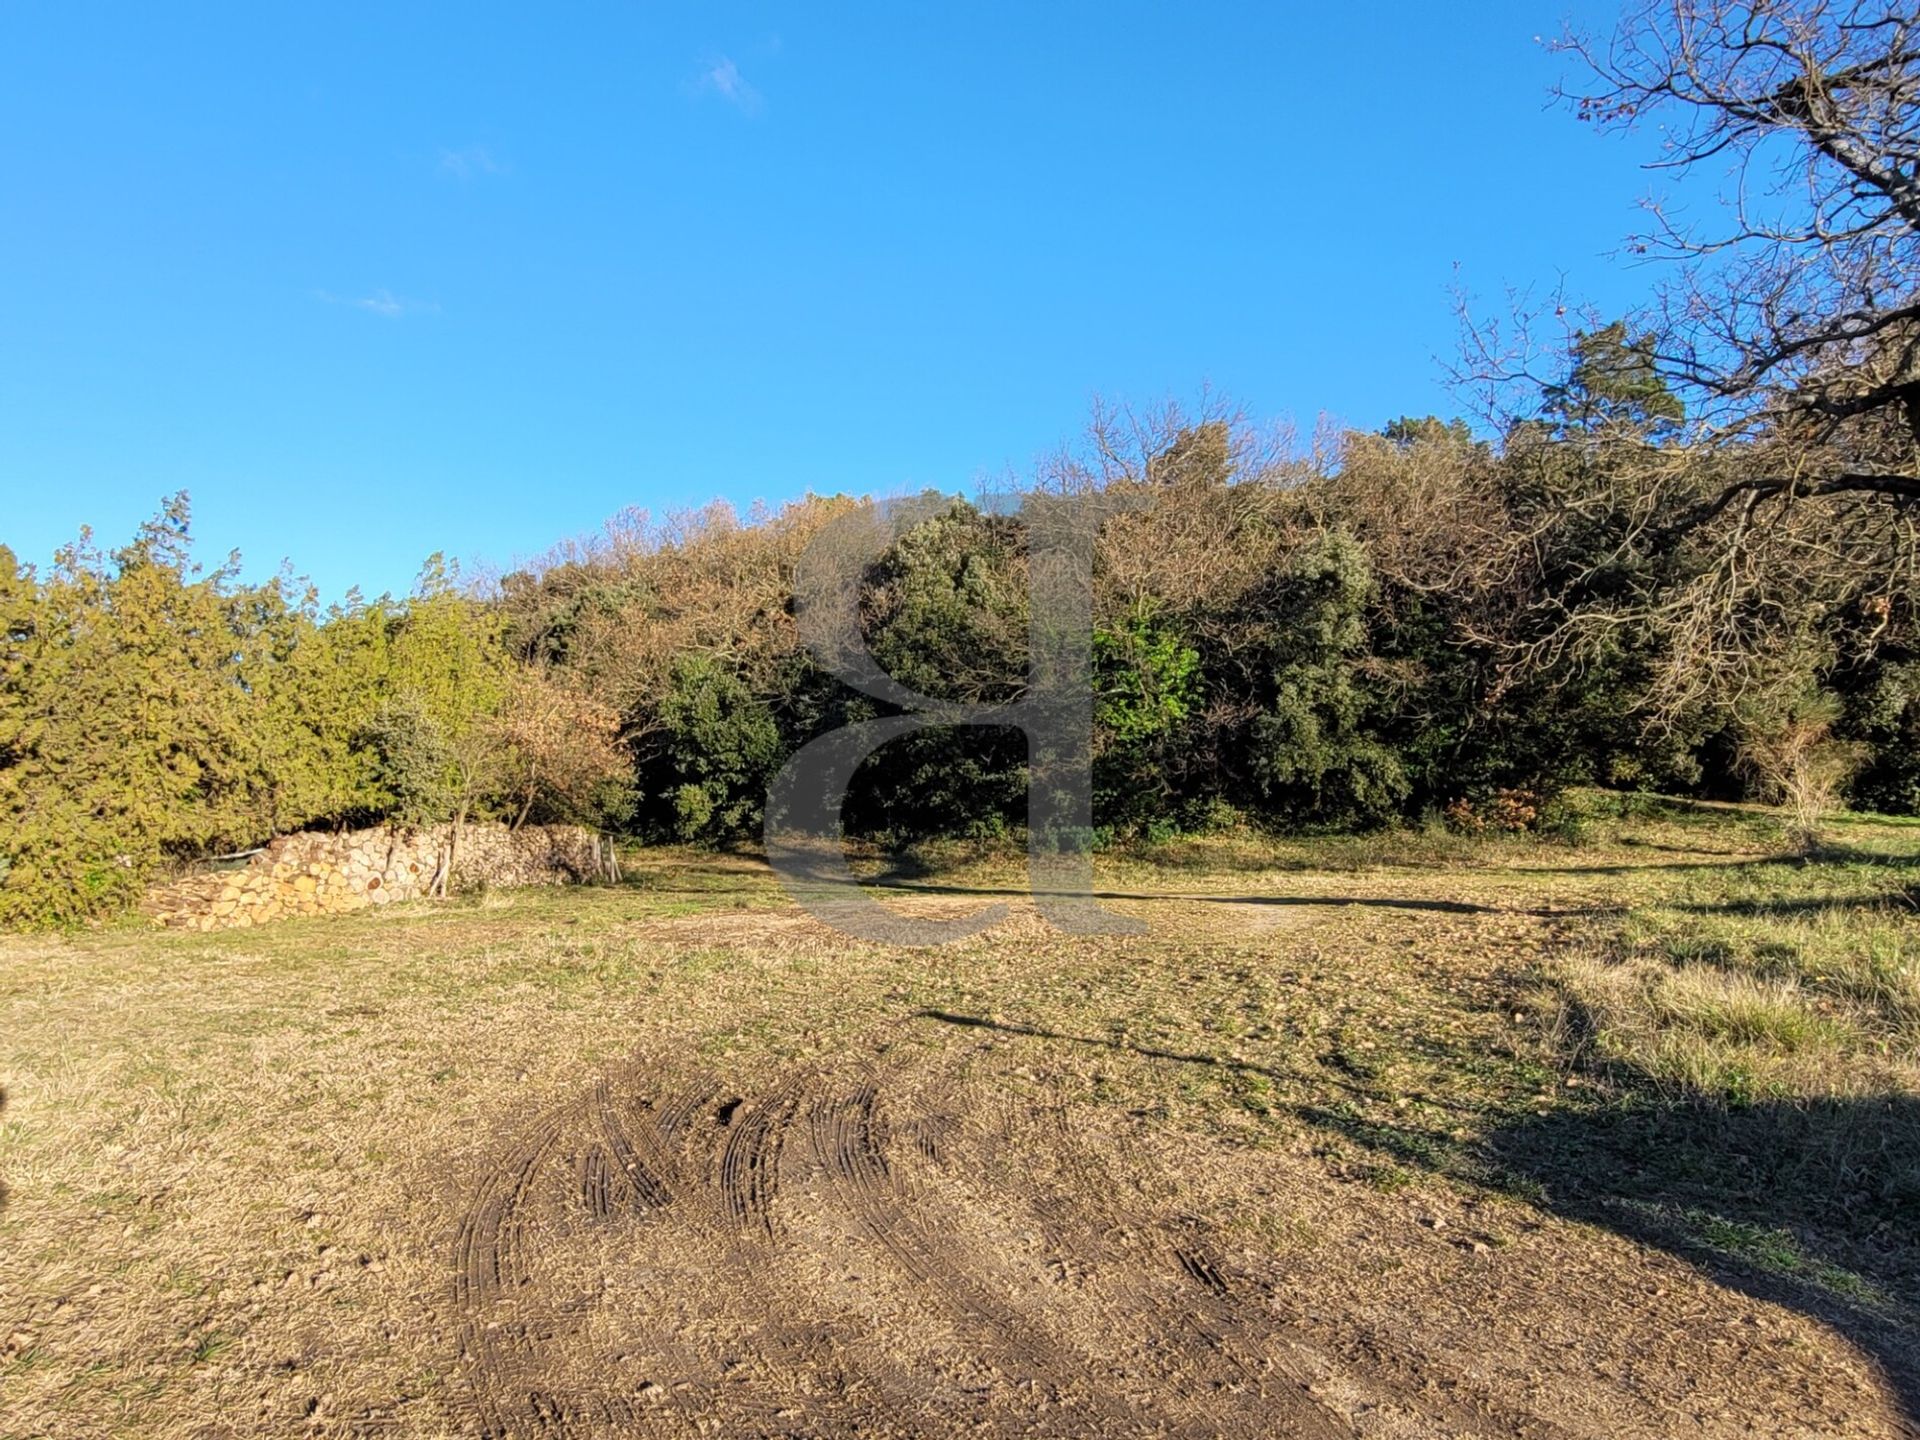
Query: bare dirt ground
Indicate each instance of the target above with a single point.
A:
(879, 1250)
(671, 1159)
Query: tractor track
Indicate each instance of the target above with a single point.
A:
(863, 1249)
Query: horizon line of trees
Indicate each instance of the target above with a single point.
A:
(1683, 555)
(1300, 643)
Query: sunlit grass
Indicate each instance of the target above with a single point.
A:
(207, 1133)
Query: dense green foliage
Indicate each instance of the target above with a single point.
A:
(1424, 625)
(150, 713)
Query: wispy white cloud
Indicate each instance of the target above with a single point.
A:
(723, 78)
(470, 161)
(382, 302)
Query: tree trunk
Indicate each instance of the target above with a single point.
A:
(453, 848)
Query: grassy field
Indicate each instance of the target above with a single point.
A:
(1613, 1133)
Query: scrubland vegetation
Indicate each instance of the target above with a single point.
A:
(1388, 635)
(1676, 552)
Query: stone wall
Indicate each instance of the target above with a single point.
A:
(318, 873)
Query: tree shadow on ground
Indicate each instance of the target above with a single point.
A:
(1852, 855)
(1153, 1052)
(1808, 1203)
(1379, 902)
(904, 869)
(1904, 899)
(1811, 1204)
(911, 878)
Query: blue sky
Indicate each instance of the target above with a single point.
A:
(371, 284)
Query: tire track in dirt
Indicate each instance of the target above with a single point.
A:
(864, 1249)
(1160, 1267)
(488, 1246)
(849, 1133)
(489, 1265)
(750, 1163)
(642, 1172)
(1023, 1341)
(1224, 1325)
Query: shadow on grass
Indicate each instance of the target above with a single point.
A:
(1751, 862)
(1905, 899)
(1445, 907)
(913, 878)
(914, 870)
(1007, 1027)
(1853, 855)
(1814, 1205)
(1809, 1204)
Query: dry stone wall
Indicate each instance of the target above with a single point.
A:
(317, 873)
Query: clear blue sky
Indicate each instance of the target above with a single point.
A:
(472, 278)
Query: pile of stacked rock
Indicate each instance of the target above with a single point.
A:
(318, 873)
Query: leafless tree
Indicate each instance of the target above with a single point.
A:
(1786, 317)
(1794, 325)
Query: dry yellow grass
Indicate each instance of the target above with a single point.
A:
(236, 1165)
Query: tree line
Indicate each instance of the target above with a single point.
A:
(1678, 552)
(1354, 639)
